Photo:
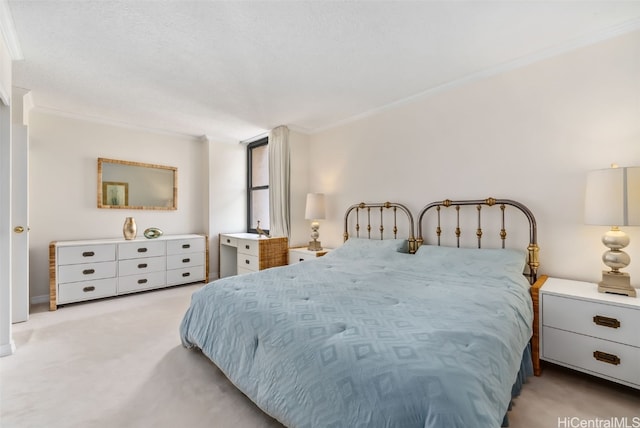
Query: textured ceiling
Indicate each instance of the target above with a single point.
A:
(232, 70)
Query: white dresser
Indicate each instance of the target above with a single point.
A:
(247, 252)
(596, 333)
(92, 269)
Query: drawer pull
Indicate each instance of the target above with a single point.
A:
(186, 246)
(88, 254)
(228, 241)
(142, 281)
(247, 262)
(142, 265)
(186, 274)
(88, 271)
(89, 289)
(606, 358)
(186, 260)
(248, 247)
(142, 250)
(606, 321)
(301, 259)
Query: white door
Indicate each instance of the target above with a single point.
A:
(7, 345)
(19, 220)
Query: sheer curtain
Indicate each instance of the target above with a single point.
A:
(279, 187)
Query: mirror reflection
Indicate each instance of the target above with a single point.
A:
(136, 185)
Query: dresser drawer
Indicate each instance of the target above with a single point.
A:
(244, 270)
(136, 249)
(248, 246)
(138, 266)
(86, 254)
(144, 281)
(577, 351)
(87, 290)
(600, 320)
(248, 262)
(185, 260)
(183, 246)
(229, 241)
(86, 272)
(185, 275)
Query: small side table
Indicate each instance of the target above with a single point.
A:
(300, 254)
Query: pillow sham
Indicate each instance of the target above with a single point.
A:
(506, 260)
(362, 247)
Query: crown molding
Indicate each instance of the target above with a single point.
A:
(8, 31)
(111, 122)
(591, 39)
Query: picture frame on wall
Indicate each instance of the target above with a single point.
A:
(115, 193)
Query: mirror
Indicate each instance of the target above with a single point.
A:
(135, 185)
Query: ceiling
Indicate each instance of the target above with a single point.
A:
(232, 70)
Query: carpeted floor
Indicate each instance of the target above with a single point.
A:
(119, 363)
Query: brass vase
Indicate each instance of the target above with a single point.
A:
(129, 229)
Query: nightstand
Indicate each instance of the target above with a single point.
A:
(300, 254)
(592, 332)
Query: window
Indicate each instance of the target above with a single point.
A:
(258, 185)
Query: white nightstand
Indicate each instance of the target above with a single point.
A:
(297, 255)
(596, 333)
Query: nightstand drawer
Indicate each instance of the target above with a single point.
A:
(577, 351)
(605, 321)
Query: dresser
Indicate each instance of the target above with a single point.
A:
(93, 269)
(247, 252)
(301, 254)
(596, 333)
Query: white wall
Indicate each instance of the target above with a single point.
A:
(530, 134)
(63, 184)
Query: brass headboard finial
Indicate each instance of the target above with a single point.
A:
(490, 201)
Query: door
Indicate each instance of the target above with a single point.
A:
(7, 346)
(19, 217)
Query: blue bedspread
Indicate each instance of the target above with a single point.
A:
(369, 337)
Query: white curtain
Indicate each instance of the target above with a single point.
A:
(279, 179)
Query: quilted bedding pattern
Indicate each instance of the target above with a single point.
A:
(363, 338)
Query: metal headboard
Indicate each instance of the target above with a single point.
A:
(532, 248)
(366, 208)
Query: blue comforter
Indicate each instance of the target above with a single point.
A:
(369, 337)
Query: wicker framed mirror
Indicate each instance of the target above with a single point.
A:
(136, 185)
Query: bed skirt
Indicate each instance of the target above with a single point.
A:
(526, 370)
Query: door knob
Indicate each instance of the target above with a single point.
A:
(18, 229)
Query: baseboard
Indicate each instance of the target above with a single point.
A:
(39, 299)
(7, 349)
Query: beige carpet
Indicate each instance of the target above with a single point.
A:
(119, 363)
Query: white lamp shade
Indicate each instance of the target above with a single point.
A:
(613, 197)
(315, 207)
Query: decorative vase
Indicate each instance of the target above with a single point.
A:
(129, 229)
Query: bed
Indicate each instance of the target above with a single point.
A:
(380, 332)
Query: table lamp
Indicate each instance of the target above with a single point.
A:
(315, 211)
(613, 199)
